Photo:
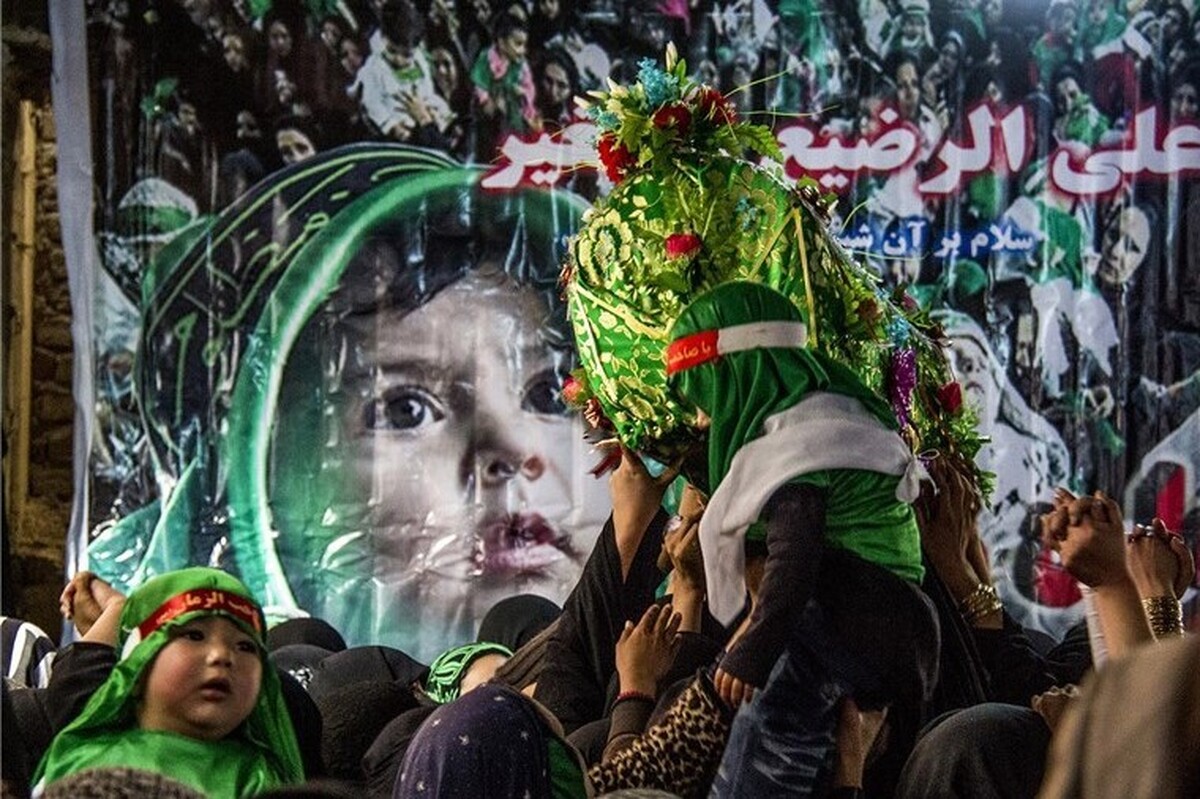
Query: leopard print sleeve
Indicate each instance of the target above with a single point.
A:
(679, 754)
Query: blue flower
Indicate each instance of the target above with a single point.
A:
(899, 331)
(660, 87)
(747, 212)
(608, 120)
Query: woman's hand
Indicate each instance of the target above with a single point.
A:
(85, 598)
(733, 690)
(1187, 564)
(636, 498)
(856, 734)
(1159, 561)
(1088, 534)
(681, 554)
(646, 651)
(681, 547)
(1092, 547)
(416, 108)
(947, 522)
(1053, 704)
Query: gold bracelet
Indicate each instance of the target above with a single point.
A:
(1165, 615)
(981, 602)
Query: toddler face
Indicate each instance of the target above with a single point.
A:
(204, 682)
(513, 45)
(459, 466)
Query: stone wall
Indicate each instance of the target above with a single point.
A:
(35, 544)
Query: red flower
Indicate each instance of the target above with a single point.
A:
(950, 396)
(869, 311)
(571, 389)
(675, 115)
(682, 245)
(716, 106)
(615, 157)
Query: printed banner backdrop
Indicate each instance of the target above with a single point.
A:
(327, 342)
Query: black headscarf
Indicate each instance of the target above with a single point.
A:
(514, 621)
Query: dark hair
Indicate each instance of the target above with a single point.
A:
(400, 23)
(452, 235)
(1187, 72)
(1178, 8)
(339, 22)
(559, 57)
(287, 15)
(978, 79)
(506, 23)
(306, 125)
(1071, 69)
(899, 59)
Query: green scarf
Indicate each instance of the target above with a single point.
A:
(739, 390)
(260, 754)
(445, 673)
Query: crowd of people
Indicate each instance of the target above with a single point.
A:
(252, 87)
(180, 689)
(275, 82)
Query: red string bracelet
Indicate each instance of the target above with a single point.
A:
(621, 697)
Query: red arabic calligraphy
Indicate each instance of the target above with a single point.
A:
(211, 599)
(691, 351)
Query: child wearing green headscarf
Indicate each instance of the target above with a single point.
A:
(801, 449)
(192, 697)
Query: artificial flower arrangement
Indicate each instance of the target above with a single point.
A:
(666, 114)
(689, 212)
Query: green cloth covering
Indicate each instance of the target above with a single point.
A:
(445, 673)
(260, 754)
(1084, 122)
(1049, 53)
(1061, 248)
(624, 291)
(410, 74)
(1094, 35)
(509, 87)
(219, 769)
(566, 777)
(986, 195)
(740, 390)
(687, 216)
(864, 516)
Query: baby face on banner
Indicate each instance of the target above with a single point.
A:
(447, 473)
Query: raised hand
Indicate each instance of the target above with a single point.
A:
(1159, 561)
(1088, 533)
(947, 520)
(636, 498)
(1093, 547)
(681, 545)
(84, 598)
(646, 650)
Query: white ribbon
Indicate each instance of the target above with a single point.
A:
(823, 431)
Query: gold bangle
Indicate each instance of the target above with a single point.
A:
(1165, 615)
(983, 601)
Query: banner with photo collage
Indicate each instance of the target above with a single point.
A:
(326, 341)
